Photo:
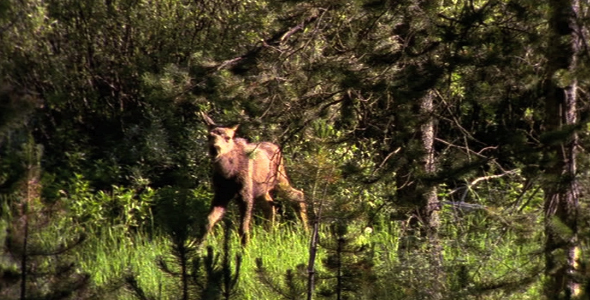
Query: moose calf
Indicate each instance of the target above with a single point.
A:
(248, 172)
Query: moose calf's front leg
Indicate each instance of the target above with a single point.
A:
(246, 206)
(218, 208)
(215, 215)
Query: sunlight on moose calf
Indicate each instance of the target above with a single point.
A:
(248, 172)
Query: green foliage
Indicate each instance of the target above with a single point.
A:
(179, 212)
(291, 286)
(123, 207)
(477, 266)
(349, 266)
(110, 255)
(36, 261)
(110, 90)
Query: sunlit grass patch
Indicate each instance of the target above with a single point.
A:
(486, 258)
(111, 255)
(280, 249)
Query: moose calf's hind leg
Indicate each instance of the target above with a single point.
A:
(297, 199)
(266, 203)
(300, 206)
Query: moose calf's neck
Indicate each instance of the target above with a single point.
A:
(229, 164)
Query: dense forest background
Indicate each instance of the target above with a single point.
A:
(442, 147)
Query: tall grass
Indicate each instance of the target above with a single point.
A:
(491, 257)
(111, 254)
(280, 249)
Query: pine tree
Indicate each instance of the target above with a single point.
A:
(292, 285)
(349, 273)
(209, 276)
(35, 247)
(562, 207)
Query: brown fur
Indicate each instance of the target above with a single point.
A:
(248, 172)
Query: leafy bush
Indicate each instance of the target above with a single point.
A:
(125, 207)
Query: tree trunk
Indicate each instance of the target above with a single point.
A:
(422, 195)
(430, 203)
(430, 200)
(561, 204)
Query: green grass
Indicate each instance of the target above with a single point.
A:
(110, 255)
(491, 256)
(283, 248)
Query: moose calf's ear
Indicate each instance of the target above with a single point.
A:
(207, 120)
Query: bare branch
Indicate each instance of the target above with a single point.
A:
(385, 160)
(479, 179)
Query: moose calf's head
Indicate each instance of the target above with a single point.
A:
(221, 139)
